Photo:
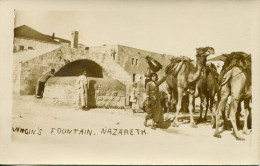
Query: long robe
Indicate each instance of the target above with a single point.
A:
(140, 93)
(153, 104)
(82, 91)
(133, 99)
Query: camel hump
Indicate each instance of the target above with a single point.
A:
(180, 58)
(184, 58)
(239, 59)
(173, 66)
(240, 55)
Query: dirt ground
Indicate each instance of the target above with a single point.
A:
(121, 134)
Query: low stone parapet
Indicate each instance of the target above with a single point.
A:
(102, 93)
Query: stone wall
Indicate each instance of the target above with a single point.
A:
(110, 52)
(106, 56)
(16, 77)
(133, 60)
(105, 93)
(32, 70)
(31, 43)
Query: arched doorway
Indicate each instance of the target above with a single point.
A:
(76, 68)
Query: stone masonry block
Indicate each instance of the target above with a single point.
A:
(62, 88)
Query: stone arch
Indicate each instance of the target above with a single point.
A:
(75, 68)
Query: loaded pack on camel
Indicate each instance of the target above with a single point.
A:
(171, 72)
(236, 59)
(235, 81)
(175, 65)
(181, 77)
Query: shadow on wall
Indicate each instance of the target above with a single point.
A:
(76, 68)
(91, 94)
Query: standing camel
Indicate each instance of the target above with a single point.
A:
(181, 79)
(206, 89)
(235, 81)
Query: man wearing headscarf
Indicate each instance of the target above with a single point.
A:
(82, 91)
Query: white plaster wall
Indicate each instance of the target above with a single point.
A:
(32, 43)
(16, 77)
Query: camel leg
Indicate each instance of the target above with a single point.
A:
(246, 108)
(202, 106)
(178, 107)
(225, 116)
(211, 100)
(193, 103)
(201, 109)
(225, 91)
(235, 97)
(238, 115)
(168, 92)
(174, 101)
(215, 111)
(167, 106)
(249, 119)
(207, 107)
(191, 98)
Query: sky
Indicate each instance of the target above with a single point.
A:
(170, 27)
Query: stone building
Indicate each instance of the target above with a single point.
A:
(117, 64)
(26, 38)
(110, 69)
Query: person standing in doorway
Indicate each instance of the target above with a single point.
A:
(82, 91)
(140, 93)
(147, 79)
(41, 83)
(133, 98)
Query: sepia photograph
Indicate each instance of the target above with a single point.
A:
(128, 82)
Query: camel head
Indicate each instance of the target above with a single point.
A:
(203, 53)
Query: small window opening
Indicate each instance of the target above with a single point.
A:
(21, 47)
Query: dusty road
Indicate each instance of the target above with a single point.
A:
(119, 136)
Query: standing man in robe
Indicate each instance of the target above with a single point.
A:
(82, 91)
(140, 93)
